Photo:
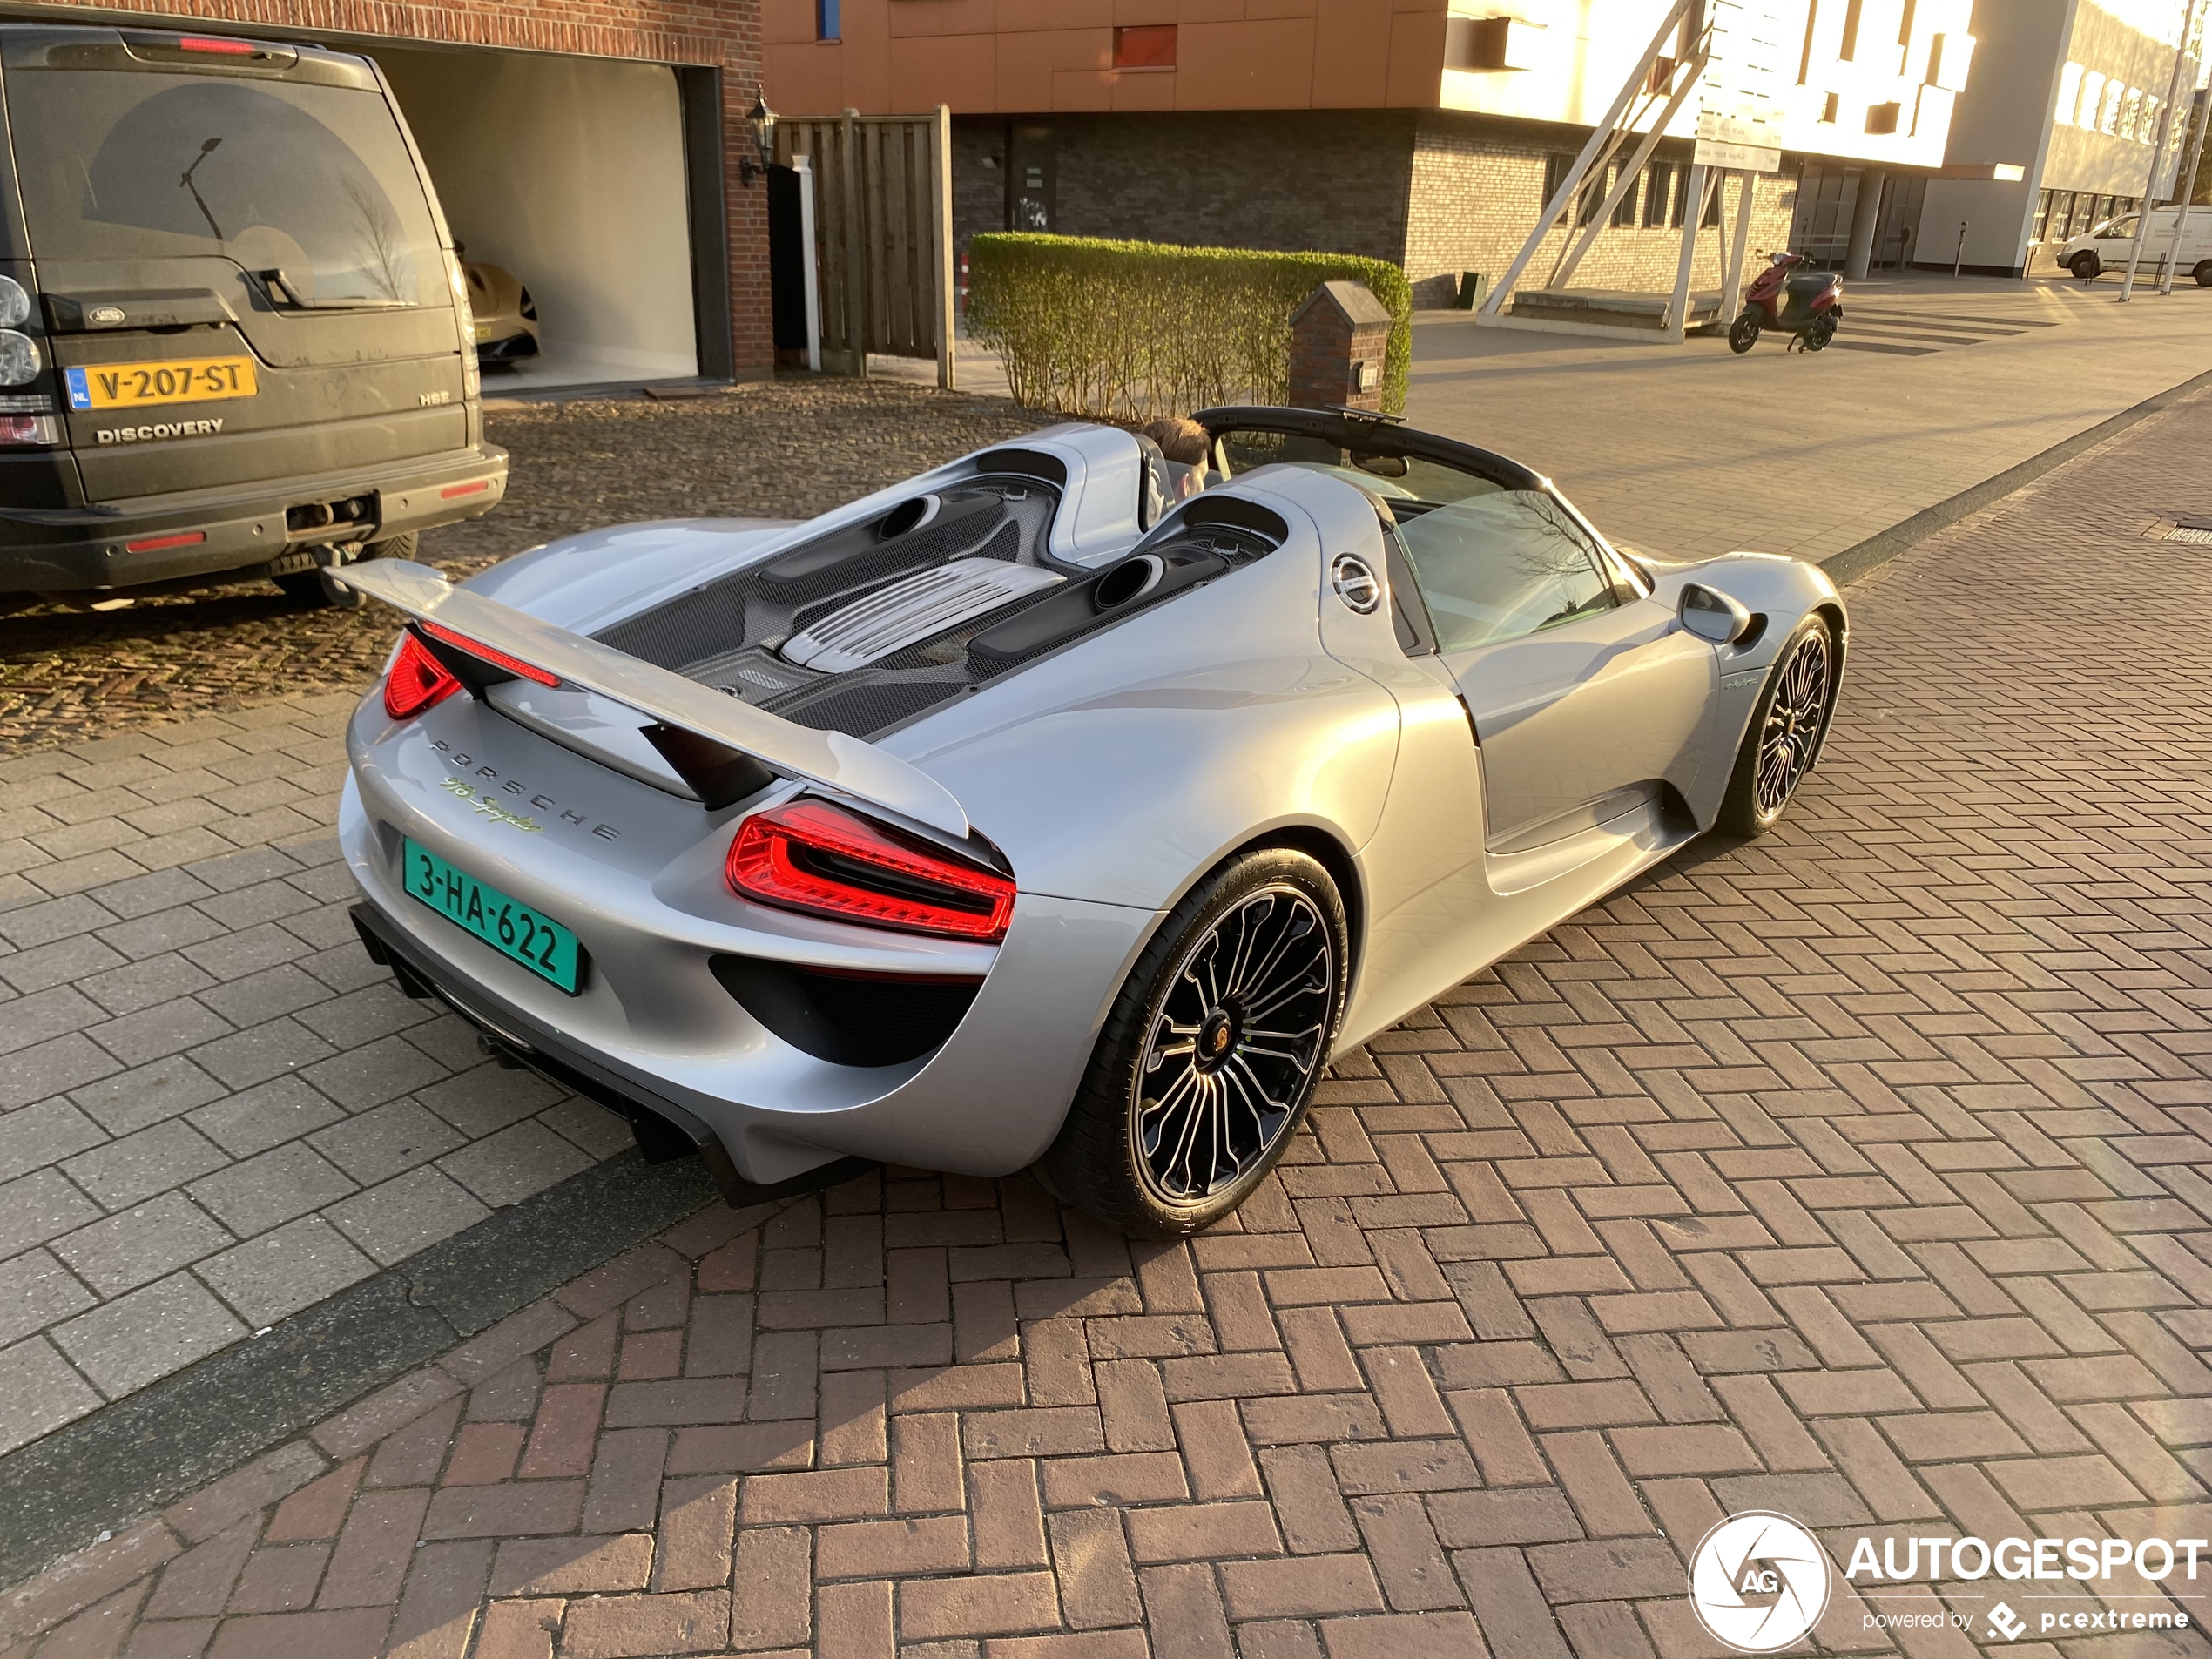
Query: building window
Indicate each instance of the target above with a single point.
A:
(1146, 46)
(1657, 188)
(2069, 92)
(1849, 52)
(1711, 216)
(2043, 206)
(1804, 57)
(1882, 117)
(1624, 211)
(1830, 105)
(826, 20)
(1904, 35)
(1475, 43)
(1556, 166)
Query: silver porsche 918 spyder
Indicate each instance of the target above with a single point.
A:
(1059, 808)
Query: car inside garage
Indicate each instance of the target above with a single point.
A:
(568, 174)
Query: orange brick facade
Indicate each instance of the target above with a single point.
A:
(714, 34)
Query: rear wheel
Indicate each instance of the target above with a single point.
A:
(1784, 733)
(1743, 333)
(2203, 273)
(2085, 265)
(1211, 1054)
(1820, 333)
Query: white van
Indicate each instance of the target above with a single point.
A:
(2105, 247)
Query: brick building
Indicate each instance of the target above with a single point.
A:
(1427, 133)
(599, 153)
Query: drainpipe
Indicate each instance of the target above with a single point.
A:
(2158, 154)
(2185, 187)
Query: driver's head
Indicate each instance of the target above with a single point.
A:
(1182, 441)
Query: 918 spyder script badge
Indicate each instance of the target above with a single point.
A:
(489, 805)
(485, 806)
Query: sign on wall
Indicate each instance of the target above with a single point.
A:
(1739, 111)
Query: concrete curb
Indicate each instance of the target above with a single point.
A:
(150, 1448)
(1875, 551)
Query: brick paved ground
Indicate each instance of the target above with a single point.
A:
(1859, 1173)
(214, 1109)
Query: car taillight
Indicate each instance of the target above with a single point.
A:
(217, 45)
(29, 431)
(810, 856)
(418, 680)
(484, 653)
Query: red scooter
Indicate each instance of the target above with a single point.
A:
(1807, 305)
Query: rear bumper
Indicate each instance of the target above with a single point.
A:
(663, 1128)
(236, 527)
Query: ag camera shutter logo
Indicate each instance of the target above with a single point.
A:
(1758, 1582)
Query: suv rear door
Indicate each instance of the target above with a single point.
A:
(241, 259)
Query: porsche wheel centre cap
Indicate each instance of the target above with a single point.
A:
(1214, 1036)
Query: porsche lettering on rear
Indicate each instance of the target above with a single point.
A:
(1068, 806)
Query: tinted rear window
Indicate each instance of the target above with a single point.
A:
(314, 181)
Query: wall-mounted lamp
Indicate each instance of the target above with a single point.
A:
(762, 119)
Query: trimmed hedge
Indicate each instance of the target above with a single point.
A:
(1135, 330)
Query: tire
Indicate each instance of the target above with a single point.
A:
(2203, 273)
(1743, 333)
(313, 589)
(1785, 732)
(1819, 334)
(2085, 265)
(1201, 1144)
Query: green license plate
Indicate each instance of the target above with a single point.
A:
(507, 925)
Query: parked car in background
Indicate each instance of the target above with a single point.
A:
(505, 317)
(2105, 247)
(231, 319)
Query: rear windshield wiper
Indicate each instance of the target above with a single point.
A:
(285, 295)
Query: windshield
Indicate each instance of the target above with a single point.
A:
(2118, 228)
(314, 181)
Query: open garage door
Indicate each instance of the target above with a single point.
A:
(570, 174)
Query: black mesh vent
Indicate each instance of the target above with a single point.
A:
(862, 710)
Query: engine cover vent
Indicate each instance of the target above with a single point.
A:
(908, 612)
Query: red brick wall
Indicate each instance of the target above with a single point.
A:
(722, 33)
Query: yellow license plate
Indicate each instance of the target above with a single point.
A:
(138, 386)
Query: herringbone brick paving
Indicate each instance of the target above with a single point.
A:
(1860, 1173)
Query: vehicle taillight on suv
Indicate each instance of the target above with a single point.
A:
(27, 417)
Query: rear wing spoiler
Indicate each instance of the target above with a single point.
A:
(692, 715)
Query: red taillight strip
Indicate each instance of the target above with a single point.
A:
(418, 680)
(810, 856)
(150, 544)
(211, 44)
(451, 491)
(485, 653)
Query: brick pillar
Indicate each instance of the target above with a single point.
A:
(1339, 335)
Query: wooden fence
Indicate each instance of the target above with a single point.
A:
(883, 228)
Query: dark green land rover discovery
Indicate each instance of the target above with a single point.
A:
(234, 340)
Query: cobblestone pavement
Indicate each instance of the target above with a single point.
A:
(1857, 1173)
(214, 1109)
(790, 450)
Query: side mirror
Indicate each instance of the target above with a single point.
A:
(1712, 614)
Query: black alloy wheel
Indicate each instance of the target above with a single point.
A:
(1785, 733)
(1818, 335)
(1235, 1045)
(1743, 333)
(1209, 1055)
